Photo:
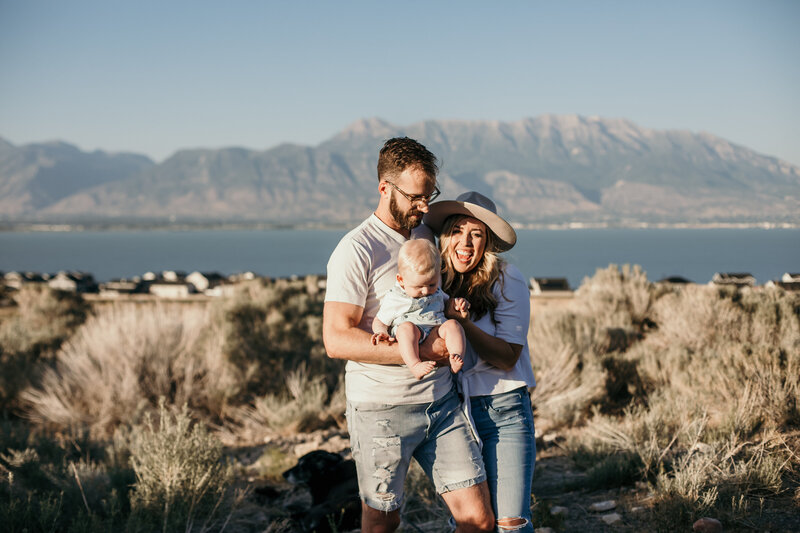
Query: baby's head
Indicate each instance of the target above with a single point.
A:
(418, 267)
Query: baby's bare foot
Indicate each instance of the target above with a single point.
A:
(421, 369)
(456, 362)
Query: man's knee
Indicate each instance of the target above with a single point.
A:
(476, 522)
(483, 522)
(471, 508)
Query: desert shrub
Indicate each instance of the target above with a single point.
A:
(615, 470)
(6, 295)
(158, 476)
(125, 358)
(566, 386)
(723, 480)
(692, 471)
(738, 356)
(695, 390)
(305, 407)
(212, 357)
(619, 296)
(580, 353)
(42, 321)
(61, 483)
(272, 463)
(181, 482)
(274, 327)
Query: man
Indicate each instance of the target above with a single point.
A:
(391, 415)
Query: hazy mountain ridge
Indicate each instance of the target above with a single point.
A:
(549, 168)
(35, 176)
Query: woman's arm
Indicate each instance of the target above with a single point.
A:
(512, 315)
(493, 350)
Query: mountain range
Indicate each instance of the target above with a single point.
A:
(547, 169)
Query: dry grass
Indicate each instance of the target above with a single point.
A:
(696, 393)
(30, 336)
(694, 390)
(305, 408)
(125, 358)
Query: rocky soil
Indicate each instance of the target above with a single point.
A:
(562, 502)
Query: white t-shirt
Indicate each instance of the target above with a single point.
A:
(513, 315)
(361, 270)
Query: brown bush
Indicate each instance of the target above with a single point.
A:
(29, 338)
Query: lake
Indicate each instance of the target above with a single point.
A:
(695, 254)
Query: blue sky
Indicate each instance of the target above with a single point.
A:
(154, 77)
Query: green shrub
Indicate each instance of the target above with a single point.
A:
(181, 483)
(61, 483)
(273, 328)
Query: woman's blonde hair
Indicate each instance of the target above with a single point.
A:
(475, 285)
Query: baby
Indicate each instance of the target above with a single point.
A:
(415, 305)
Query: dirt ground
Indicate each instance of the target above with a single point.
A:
(557, 483)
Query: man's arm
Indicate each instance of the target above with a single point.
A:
(345, 340)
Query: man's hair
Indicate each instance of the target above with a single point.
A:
(401, 153)
(420, 256)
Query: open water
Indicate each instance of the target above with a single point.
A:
(695, 254)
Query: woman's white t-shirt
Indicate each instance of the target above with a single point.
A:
(512, 317)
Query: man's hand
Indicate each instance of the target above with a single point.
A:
(434, 349)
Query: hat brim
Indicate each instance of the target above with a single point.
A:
(439, 211)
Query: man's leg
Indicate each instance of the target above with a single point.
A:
(374, 521)
(383, 438)
(471, 508)
(452, 459)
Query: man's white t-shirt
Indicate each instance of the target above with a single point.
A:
(361, 270)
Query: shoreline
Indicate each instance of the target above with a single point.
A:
(40, 227)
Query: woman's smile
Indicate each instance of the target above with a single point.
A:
(467, 243)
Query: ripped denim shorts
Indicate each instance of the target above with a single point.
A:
(384, 438)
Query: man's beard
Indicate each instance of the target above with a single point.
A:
(407, 221)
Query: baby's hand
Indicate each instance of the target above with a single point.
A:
(461, 305)
(381, 337)
(457, 308)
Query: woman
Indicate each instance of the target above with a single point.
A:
(497, 367)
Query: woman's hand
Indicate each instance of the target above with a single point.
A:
(457, 308)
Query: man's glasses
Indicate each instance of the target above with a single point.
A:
(417, 198)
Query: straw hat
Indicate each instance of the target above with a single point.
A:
(475, 205)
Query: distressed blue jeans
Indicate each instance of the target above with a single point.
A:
(504, 423)
(384, 438)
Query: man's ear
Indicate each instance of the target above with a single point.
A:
(382, 188)
(399, 278)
